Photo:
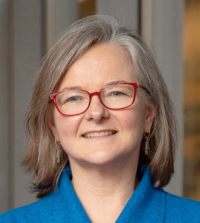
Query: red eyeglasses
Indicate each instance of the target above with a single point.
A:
(114, 97)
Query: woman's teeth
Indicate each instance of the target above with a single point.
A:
(97, 134)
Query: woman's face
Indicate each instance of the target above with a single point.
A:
(99, 66)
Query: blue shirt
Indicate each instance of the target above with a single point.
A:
(147, 204)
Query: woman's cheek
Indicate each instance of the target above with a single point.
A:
(68, 127)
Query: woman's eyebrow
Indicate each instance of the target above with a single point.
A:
(80, 88)
(116, 82)
(72, 88)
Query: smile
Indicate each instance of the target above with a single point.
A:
(98, 134)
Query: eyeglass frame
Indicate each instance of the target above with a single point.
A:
(98, 93)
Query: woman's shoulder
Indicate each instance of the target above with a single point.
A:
(179, 208)
(32, 213)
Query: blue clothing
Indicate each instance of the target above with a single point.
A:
(147, 204)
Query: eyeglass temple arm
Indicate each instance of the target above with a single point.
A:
(140, 86)
(50, 99)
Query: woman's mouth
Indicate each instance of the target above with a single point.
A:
(98, 134)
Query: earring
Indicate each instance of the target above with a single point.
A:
(147, 145)
(57, 151)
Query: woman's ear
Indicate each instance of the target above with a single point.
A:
(53, 128)
(150, 116)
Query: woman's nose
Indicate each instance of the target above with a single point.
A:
(96, 110)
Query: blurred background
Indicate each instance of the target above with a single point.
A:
(28, 28)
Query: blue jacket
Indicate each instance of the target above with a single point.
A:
(146, 205)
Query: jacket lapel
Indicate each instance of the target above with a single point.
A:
(145, 205)
(66, 205)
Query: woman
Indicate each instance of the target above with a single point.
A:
(102, 132)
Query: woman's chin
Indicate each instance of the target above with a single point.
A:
(102, 159)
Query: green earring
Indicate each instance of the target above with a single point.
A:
(57, 151)
(147, 145)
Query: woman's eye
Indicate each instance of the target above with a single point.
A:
(116, 93)
(73, 99)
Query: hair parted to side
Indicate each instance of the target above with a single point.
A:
(97, 29)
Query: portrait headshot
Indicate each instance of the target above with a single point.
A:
(103, 131)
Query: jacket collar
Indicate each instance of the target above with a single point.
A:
(147, 204)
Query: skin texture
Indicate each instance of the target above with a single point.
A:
(103, 168)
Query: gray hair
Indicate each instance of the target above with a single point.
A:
(98, 29)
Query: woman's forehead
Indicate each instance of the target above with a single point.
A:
(100, 65)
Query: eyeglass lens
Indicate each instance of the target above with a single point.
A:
(114, 97)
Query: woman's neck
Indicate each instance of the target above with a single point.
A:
(104, 190)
